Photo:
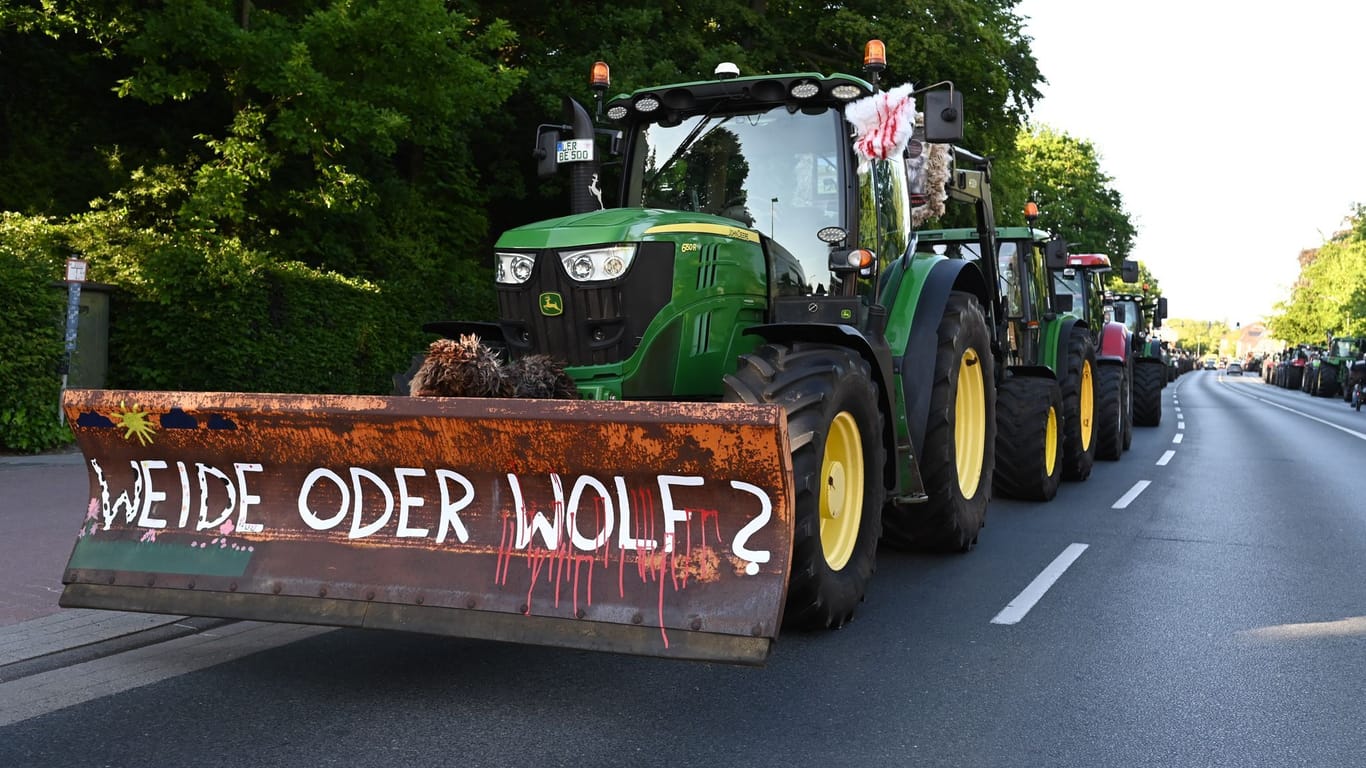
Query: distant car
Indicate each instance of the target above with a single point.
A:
(1209, 365)
(1234, 369)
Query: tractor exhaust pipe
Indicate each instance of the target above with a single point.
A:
(585, 190)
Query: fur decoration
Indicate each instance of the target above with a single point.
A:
(936, 185)
(463, 368)
(540, 376)
(467, 368)
(883, 123)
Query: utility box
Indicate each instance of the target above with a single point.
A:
(89, 367)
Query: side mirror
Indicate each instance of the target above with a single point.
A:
(944, 116)
(1063, 302)
(1129, 271)
(1161, 311)
(547, 142)
(1055, 253)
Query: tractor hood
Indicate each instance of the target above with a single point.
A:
(620, 225)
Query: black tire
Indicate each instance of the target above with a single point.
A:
(1110, 412)
(1079, 406)
(826, 390)
(1294, 376)
(1328, 381)
(1028, 443)
(1128, 399)
(958, 490)
(1147, 392)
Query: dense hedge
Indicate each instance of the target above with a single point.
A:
(203, 313)
(31, 316)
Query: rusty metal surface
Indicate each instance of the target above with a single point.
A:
(452, 515)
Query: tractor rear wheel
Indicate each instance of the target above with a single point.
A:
(1127, 403)
(1110, 412)
(1147, 392)
(1028, 443)
(1328, 380)
(959, 452)
(835, 427)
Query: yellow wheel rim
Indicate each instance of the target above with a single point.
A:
(1087, 405)
(842, 475)
(1050, 442)
(970, 423)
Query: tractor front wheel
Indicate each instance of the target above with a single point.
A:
(1079, 406)
(835, 427)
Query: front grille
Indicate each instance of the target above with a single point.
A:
(600, 323)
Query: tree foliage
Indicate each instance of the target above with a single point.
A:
(1075, 197)
(1199, 336)
(283, 192)
(980, 46)
(1329, 299)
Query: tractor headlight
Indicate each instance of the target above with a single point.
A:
(515, 268)
(594, 265)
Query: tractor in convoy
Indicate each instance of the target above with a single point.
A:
(1078, 285)
(1333, 372)
(1046, 400)
(754, 377)
(1290, 368)
(1143, 314)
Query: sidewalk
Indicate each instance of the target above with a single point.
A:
(68, 629)
(42, 502)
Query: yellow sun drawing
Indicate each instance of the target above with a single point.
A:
(136, 422)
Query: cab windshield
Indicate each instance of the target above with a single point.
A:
(775, 171)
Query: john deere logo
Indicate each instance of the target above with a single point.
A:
(552, 304)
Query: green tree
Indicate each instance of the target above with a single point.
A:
(1330, 296)
(1074, 195)
(1198, 337)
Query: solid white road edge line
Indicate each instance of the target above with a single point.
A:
(1024, 601)
(1128, 498)
(1352, 432)
(1166, 457)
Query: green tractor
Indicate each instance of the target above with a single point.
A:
(754, 378)
(760, 256)
(1143, 314)
(1045, 407)
(1078, 285)
(1334, 365)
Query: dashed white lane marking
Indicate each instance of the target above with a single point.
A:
(1129, 497)
(1031, 595)
(1180, 425)
(1177, 437)
(1166, 457)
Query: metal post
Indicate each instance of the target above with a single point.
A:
(75, 276)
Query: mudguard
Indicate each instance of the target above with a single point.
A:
(649, 528)
(1114, 342)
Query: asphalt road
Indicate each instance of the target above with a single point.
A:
(1198, 603)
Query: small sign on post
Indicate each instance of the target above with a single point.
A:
(75, 276)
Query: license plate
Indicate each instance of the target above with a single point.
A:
(574, 151)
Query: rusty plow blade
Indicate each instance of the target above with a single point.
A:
(661, 529)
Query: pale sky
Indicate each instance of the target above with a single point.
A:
(1234, 131)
